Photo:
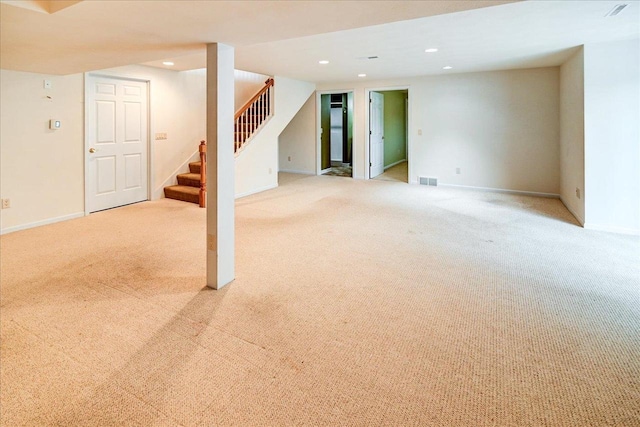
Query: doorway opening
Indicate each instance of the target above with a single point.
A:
(388, 135)
(336, 134)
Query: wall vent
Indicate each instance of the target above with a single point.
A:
(616, 9)
(428, 180)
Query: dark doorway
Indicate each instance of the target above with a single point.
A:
(336, 121)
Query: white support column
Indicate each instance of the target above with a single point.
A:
(220, 166)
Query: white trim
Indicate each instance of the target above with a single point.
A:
(612, 229)
(85, 158)
(323, 171)
(297, 171)
(158, 193)
(575, 215)
(150, 146)
(367, 174)
(42, 222)
(257, 190)
(503, 190)
(354, 154)
(394, 164)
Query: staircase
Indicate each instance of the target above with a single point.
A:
(192, 186)
(252, 116)
(248, 120)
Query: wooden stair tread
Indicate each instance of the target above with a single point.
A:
(190, 175)
(195, 167)
(190, 179)
(183, 192)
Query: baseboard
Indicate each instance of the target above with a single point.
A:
(325, 170)
(297, 171)
(158, 193)
(575, 215)
(503, 190)
(40, 223)
(395, 163)
(258, 190)
(612, 229)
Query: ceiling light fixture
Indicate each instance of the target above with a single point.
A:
(323, 62)
(431, 50)
(362, 75)
(448, 67)
(169, 63)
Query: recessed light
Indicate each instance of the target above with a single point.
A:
(323, 62)
(431, 50)
(362, 75)
(447, 67)
(168, 63)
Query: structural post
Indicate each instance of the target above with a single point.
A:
(220, 166)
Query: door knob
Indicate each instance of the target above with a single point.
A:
(92, 150)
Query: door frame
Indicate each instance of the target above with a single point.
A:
(319, 94)
(150, 173)
(367, 124)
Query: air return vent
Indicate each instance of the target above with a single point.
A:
(616, 9)
(428, 180)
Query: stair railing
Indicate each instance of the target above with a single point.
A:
(202, 196)
(252, 115)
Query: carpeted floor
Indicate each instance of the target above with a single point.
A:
(360, 303)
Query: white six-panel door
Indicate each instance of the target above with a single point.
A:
(376, 134)
(116, 142)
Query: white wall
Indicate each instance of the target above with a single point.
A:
(500, 128)
(41, 170)
(246, 85)
(297, 142)
(612, 136)
(257, 163)
(572, 134)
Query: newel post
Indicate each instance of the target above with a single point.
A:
(203, 174)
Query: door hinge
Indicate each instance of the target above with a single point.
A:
(370, 164)
(370, 133)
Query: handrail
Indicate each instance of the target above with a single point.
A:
(202, 196)
(267, 84)
(252, 116)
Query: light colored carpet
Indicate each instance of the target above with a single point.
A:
(398, 173)
(359, 303)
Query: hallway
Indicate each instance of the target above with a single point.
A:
(397, 173)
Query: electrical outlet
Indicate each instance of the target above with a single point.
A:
(6, 203)
(457, 171)
(577, 192)
(47, 84)
(289, 158)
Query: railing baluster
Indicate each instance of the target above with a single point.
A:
(251, 116)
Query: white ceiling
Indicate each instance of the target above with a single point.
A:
(519, 35)
(288, 38)
(64, 37)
